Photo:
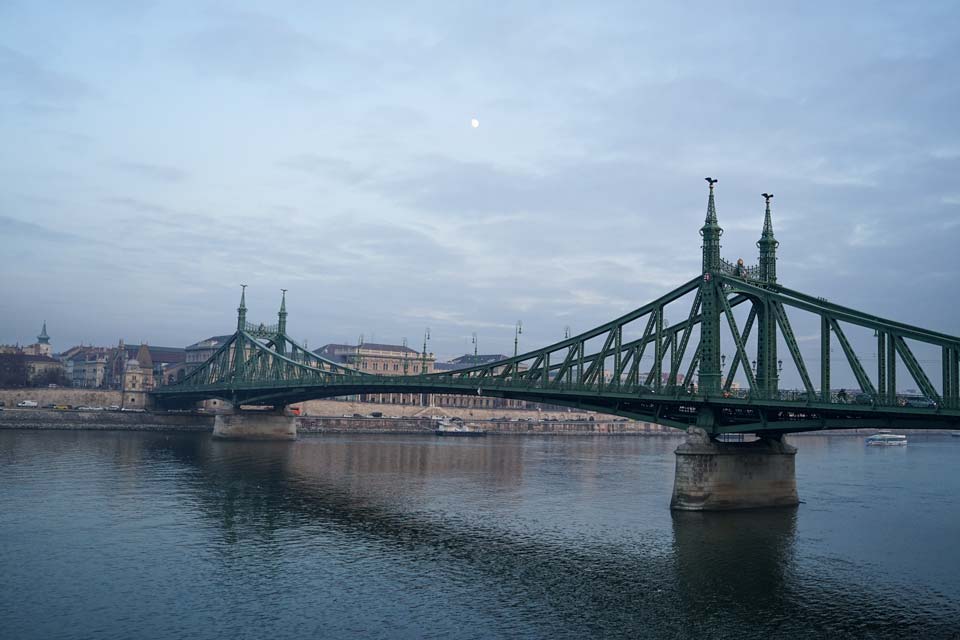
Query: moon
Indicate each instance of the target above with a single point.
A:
(474, 123)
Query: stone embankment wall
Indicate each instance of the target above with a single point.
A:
(61, 395)
(343, 408)
(135, 421)
(103, 420)
(426, 425)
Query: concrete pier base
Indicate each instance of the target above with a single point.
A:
(254, 426)
(717, 476)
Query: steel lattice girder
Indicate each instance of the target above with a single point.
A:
(263, 366)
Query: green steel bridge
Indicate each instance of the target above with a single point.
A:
(641, 365)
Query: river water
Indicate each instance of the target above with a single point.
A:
(155, 535)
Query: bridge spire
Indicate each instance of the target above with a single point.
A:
(709, 368)
(242, 309)
(768, 246)
(768, 373)
(711, 233)
(282, 316)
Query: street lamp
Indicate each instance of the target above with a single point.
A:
(423, 361)
(474, 345)
(516, 338)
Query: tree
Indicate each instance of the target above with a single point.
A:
(13, 370)
(51, 376)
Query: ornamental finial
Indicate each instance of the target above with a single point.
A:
(767, 218)
(242, 309)
(711, 207)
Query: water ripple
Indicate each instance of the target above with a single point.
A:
(118, 535)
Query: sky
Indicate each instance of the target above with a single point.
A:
(156, 155)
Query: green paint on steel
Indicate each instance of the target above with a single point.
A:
(262, 364)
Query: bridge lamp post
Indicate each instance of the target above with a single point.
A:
(723, 366)
(474, 344)
(423, 358)
(516, 338)
(425, 399)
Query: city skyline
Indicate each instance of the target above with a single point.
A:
(348, 171)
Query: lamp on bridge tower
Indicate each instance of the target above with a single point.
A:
(516, 338)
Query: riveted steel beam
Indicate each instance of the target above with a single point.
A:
(862, 379)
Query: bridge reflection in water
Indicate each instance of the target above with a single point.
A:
(538, 535)
(419, 537)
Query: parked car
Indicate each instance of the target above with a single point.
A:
(919, 402)
(61, 407)
(113, 407)
(27, 403)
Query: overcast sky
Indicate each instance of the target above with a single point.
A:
(156, 155)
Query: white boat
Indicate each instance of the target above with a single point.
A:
(886, 440)
(452, 428)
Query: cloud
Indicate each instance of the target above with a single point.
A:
(159, 172)
(328, 150)
(35, 86)
(250, 46)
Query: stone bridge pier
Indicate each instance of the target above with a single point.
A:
(255, 425)
(718, 476)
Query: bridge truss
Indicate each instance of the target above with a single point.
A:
(644, 366)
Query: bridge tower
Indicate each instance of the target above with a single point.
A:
(242, 309)
(238, 354)
(709, 382)
(281, 323)
(767, 367)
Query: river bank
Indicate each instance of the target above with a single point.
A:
(49, 419)
(103, 420)
(31, 418)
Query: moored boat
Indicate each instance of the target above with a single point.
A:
(445, 428)
(884, 439)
